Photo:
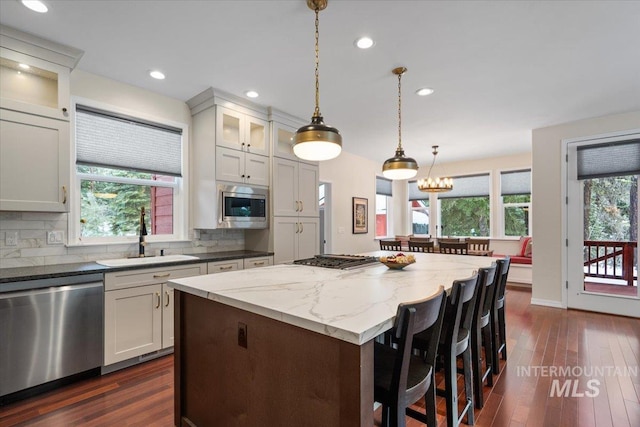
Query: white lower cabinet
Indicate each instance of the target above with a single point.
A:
(295, 238)
(258, 262)
(223, 266)
(138, 310)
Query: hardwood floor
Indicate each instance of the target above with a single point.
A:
(592, 346)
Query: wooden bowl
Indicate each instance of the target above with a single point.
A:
(396, 265)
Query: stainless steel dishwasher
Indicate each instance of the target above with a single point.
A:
(49, 329)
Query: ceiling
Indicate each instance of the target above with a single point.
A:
(499, 69)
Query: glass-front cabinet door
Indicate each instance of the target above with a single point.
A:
(241, 131)
(283, 141)
(33, 85)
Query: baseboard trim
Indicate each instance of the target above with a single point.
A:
(546, 302)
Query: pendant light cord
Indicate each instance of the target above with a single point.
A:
(316, 112)
(399, 112)
(435, 153)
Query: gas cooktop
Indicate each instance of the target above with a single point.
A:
(337, 261)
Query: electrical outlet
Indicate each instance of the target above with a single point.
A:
(242, 334)
(55, 237)
(11, 238)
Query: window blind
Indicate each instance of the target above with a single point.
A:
(384, 186)
(617, 158)
(513, 183)
(110, 140)
(468, 186)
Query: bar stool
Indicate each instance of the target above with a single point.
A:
(481, 333)
(401, 378)
(498, 315)
(455, 340)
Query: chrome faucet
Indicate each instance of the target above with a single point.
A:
(143, 232)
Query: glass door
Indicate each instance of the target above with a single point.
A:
(602, 223)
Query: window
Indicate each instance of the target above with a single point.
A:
(383, 205)
(122, 165)
(465, 211)
(515, 189)
(419, 209)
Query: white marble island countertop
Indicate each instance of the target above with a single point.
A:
(351, 305)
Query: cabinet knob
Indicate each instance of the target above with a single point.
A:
(64, 109)
(248, 145)
(248, 176)
(242, 175)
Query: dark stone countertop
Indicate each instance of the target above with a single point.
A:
(8, 275)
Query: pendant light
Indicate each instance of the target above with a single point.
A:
(317, 141)
(399, 166)
(435, 185)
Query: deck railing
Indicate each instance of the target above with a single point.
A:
(610, 260)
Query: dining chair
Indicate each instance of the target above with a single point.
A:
(479, 247)
(455, 340)
(416, 246)
(390, 245)
(402, 378)
(481, 333)
(498, 315)
(458, 248)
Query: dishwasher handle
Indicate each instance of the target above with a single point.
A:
(49, 290)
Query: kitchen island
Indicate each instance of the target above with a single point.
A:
(292, 345)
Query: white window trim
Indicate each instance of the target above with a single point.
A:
(181, 187)
(504, 205)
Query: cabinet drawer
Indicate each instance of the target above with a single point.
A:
(222, 266)
(257, 262)
(150, 276)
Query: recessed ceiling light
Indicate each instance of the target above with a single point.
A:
(424, 91)
(157, 74)
(252, 94)
(364, 42)
(35, 5)
(24, 66)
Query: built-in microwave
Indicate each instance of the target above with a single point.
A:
(242, 207)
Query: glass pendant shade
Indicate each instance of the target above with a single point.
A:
(317, 141)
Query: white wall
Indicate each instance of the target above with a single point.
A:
(549, 226)
(351, 176)
(134, 99)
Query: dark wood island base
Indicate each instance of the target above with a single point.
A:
(286, 376)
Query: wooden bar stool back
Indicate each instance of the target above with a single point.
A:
(402, 378)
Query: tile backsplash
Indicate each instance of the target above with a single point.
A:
(32, 249)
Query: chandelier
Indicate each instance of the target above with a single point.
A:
(437, 185)
(399, 166)
(317, 141)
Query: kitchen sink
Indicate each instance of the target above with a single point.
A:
(121, 262)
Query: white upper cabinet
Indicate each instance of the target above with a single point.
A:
(295, 188)
(34, 74)
(246, 168)
(241, 131)
(34, 163)
(35, 160)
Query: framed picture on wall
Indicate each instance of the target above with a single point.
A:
(360, 215)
